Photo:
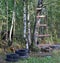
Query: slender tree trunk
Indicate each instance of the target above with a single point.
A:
(29, 31)
(25, 23)
(24, 20)
(14, 15)
(13, 21)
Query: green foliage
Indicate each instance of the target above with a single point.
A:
(53, 12)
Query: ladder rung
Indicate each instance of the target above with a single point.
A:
(41, 16)
(42, 24)
(45, 35)
(44, 45)
(38, 8)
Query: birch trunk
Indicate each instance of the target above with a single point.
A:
(29, 31)
(36, 32)
(24, 20)
(11, 29)
(25, 24)
(13, 21)
(14, 15)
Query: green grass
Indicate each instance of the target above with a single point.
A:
(54, 59)
(48, 59)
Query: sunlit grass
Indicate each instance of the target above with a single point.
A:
(54, 59)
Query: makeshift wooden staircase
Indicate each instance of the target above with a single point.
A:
(40, 26)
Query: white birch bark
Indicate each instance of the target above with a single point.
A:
(13, 21)
(11, 29)
(29, 31)
(14, 15)
(24, 20)
(25, 23)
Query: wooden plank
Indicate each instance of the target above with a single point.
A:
(42, 24)
(45, 35)
(38, 8)
(41, 16)
(44, 45)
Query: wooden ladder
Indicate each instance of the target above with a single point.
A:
(40, 15)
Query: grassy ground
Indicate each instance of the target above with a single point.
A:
(55, 58)
(48, 59)
(41, 60)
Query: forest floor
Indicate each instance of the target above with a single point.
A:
(36, 58)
